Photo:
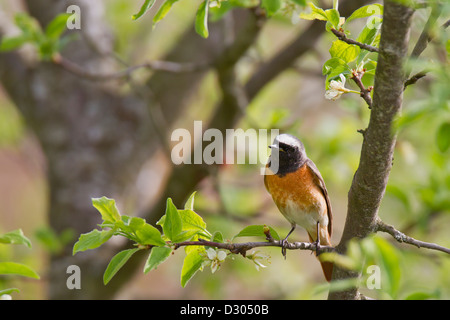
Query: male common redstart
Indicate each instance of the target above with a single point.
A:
(298, 190)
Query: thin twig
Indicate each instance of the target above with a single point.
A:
(425, 37)
(365, 92)
(243, 247)
(157, 65)
(401, 237)
(414, 78)
(422, 43)
(341, 36)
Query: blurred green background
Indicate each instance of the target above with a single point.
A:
(417, 199)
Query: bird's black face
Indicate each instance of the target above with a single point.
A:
(288, 154)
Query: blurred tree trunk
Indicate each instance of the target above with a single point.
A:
(96, 139)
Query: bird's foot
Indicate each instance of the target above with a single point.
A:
(284, 245)
(317, 246)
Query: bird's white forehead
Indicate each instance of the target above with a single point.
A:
(288, 139)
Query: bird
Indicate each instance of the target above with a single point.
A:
(299, 192)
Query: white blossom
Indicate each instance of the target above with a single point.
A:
(215, 257)
(337, 89)
(256, 257)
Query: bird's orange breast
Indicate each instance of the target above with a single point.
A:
(299, 198)
(297, 186)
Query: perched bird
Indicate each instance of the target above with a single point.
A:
(298, 190)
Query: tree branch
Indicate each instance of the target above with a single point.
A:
(365, 93)
(286, 57)
(341, 36)
(413, 79)
(422, 43)
(370, 180)
(157, 65)
(425, 37)
(243, 247)
(401, 237)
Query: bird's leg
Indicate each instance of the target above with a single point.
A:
(284, 242)
(317, 242)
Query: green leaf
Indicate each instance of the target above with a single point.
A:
(342, 285)
(12, 43)
(57, 26)
(333, 17)
(148, 4)
(191, 264)
(107, 208)
(148, 234)
(217, 237)
(300, 2)
(172, 223)
(423, 296)
(366, 11)
(390, 261)
(218, 12)
(53, 242)
(185, 235)
(116, 263)
(371, 67)
(201, 19)
(257, 231)
(29, 26)
(19, 269)
(189, 205)
(192, 220)
(367, 35)
(400, 194)
(443, 137)
(15, 237)
(130, 224)
(346, 52)
(163, 11)
(336, 285)
(92, 240)
(316, 13)
(271, 6)
(157, 256)
(8, 291)
(334, 67)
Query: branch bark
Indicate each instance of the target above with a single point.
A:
(243, 247)
(341, 36)
(401, 237)
(370, 180)
(156, 65)
(365, 92)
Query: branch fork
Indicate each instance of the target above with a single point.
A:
(365, 92)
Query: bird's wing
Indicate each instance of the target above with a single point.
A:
(319, 181)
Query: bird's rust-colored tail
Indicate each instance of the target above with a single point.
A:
(327, 266)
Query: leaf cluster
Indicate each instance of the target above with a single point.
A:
(14, 268)
(48, 41)
(178, 226)
(217, 8)
(361, 256)
(345, 57)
